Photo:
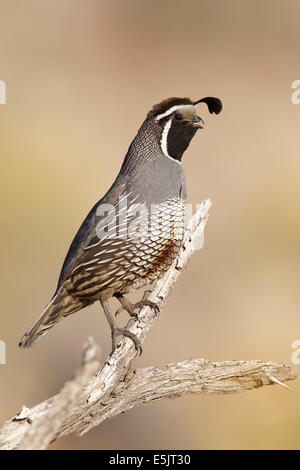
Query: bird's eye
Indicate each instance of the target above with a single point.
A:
(178, 117)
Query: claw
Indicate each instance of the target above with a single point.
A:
(146, 294)
(148, 303)
(128, 334)
(115, 331)
(119, 311)
(130, 307)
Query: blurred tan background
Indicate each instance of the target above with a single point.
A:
(81, 76)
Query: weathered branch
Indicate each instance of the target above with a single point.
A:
(41, 430)
(90, 399)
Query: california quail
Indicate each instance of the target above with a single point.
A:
(132, 235)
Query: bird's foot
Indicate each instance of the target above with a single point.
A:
(124, 332)
(132, 307)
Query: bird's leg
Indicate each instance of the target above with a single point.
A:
(116, 331)
(130, 307)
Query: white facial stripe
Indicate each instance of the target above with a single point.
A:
(164, 141)
(164, 138)
(171, 110)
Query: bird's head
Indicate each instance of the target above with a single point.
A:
(176, 121)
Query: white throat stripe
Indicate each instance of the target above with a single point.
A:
(164, 138)
(164, 141)
(171, 110)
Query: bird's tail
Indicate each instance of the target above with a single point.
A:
(60, 306)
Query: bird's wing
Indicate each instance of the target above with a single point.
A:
(88, 233)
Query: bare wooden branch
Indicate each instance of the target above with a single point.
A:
(90, 399)
(59, 416)
(41, 430)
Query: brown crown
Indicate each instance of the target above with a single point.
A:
(164, 105)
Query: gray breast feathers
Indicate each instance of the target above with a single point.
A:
(159, 180)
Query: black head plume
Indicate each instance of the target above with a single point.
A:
(168, 129)
(214, 104)
(176, 122)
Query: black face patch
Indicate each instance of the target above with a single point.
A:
(179, 136)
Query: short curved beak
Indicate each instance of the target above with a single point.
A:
(198, 122)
